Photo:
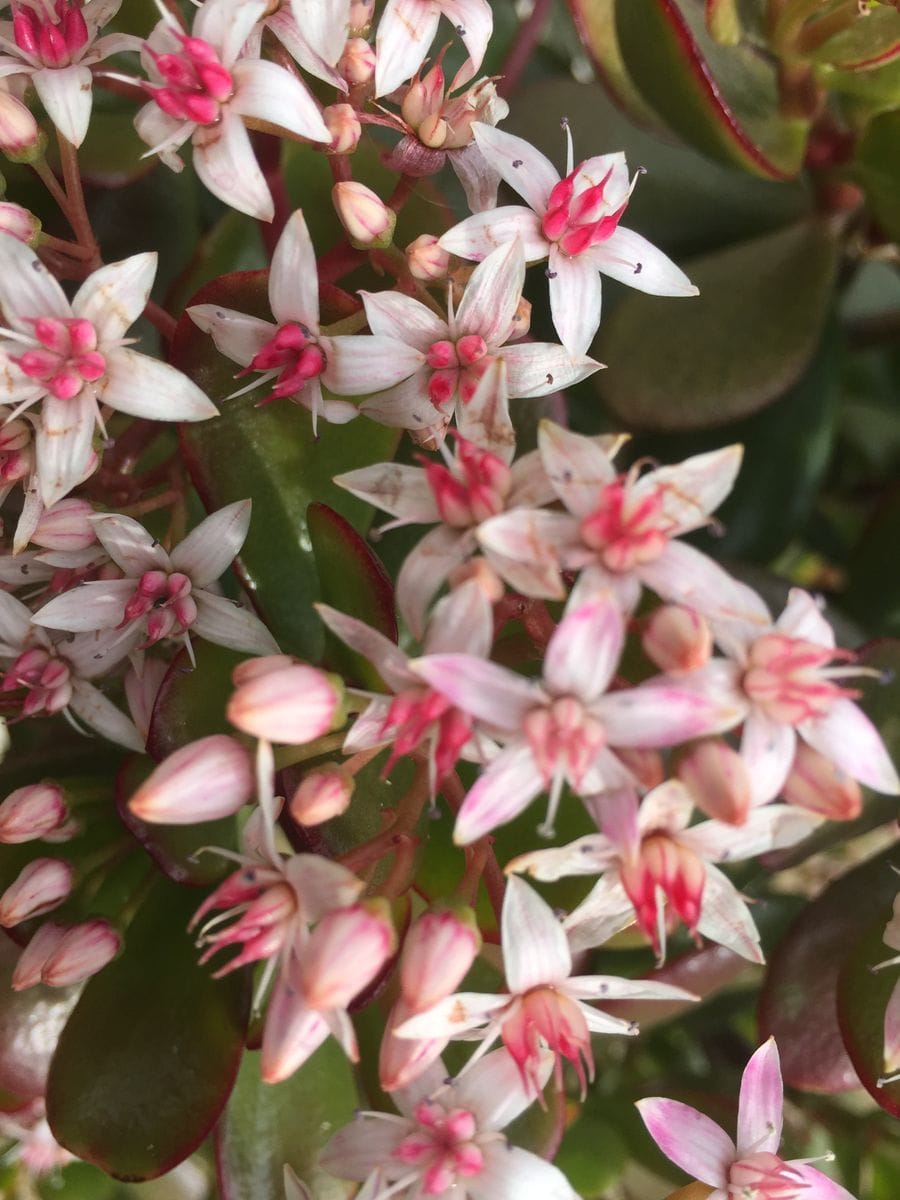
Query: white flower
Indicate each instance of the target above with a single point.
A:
(408, 27)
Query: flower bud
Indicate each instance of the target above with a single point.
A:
(677, 639)
(291, 704)
(19, 223)
(437, 954)
(205, 780)
(66, 525)
(321, 795)
(344, 127)
(368, 220)
(82, 951)
(817, 784)
(403, 1060)
(28, 969)
(43, 884)
(20, 138)
(718, 781)
(32, 812)
(357, 64)
(345, 952)
(426, 260)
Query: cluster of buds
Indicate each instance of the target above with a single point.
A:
(61, 956)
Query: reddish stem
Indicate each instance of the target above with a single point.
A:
(160, 319)
(339, 261)
(523, 47)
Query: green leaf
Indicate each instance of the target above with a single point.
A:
(721, 99)
(874, 594)
(593, 1153)
(701, 362)
(270, 455)
(191, 701)
(862, 1000)
(267, 1125)
(878, 167)
(870, 42)
(150, 1054)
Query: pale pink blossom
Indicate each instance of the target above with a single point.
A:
(40, 886)
(344, 127)
(202, 88)
(677, 639)
(72, 357)
(426, 260)
(717, 779)
(657, 869)
(817, 783)
(369, 222)
(545, 1006)
(18, 222)
(21, 139)
(321, 795)
(566, 727)
(80, 953)
(202, 781)
(32, 812)
(751, 1168)
(408, 27)
(283, 700)
(574, 222)
(164, 595)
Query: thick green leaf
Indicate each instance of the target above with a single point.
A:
(593, 1153)
(191, 702)
(270, 455)
(721, 99)
(868, 43)
(702, 362)
(150, 1054)
(266, 1126)
(798, 1004)
(862, 1000)
(878, 168)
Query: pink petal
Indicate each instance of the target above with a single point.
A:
(803, 618)
(267, 92)
(892, 1032)
(485, 419)
(293, 277)
(683, 575)
(360, 364)
(657, 715)
(493, 1089)
(585, 649)
(578, 467)
(388, 659)
(689, 1139)
(485, 690)
(525, 169)
(405, 406)
(610, 987)
(405, 33)
(534, 538)
(99, 605)
(209, 550)
(462, 622)
(819, 1186)
(632, 260)
(481, 234)
(15, 624)
(226, 165)
(324, 25)
(726, 919)
(298, 38)
(364, 1145)
(144, 387)
(292, 1032)
(480, 180)
(492, 295)
(847, 737)
(114, 297)
(667, 808)
(761, 1103)
(535, 949)
(505, 789)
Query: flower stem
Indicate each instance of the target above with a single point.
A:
(76, 210)
(523, 47)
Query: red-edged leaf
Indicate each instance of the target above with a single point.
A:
(870, 42)
(862, 1000)
(191, 702)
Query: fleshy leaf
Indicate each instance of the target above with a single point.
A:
(868, 43)
(862, 1000)
(878, 167)
(191, 702)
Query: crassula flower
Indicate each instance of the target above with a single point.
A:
(408, 27)
(752, 1168)
(573, 222)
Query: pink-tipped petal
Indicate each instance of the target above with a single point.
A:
(689, 1139)
(502, 791)
(96, 605)
(657, 715)
(129, 545)
(535, 950)
(848, 738)
(485, 690)
(359, 365)
(761, 1103)
(494, 1090)
(767, 748)
(201, 781)
(585, 649)
(292, 1032)
(388, 659)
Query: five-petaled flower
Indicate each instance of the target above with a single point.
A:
(408, 27)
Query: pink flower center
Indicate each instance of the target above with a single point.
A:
(66, 358)
(564, 739)
(765, 1176)
(581, 214)
(473, 489)
(47, 680)
(292, 354)
(52, 43)
(15, 452)
(544, 1013)
(443, 1147)
(457, 368)
(196, 84)
(625, 529)
(165, 600)
(264, 906)
(785, 677)
(421, 715)
(664, 870)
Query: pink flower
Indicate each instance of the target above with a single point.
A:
(314, 33)
(408, 27)
(283, 700)
(202, 781)
(752, 1168)
(39, 887)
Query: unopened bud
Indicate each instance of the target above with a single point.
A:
(289, 703)
(343, 125)
(20, 138)
(82, 951)
(321, 795)
(426, 260)
(205, 780)
(677, 639)
(403, 1060)
(718, 781)
(31, 961)
(357, 64)
(437, 954)
(32, 812)
(43, 884)
(19, 223)
(66, 525)
(345, 952)
(368, 220)
(815, 783)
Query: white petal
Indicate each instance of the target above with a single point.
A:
(587, 855)
(63, 443)
(66, 94)
(492, 295)
(15, 624)
(767, 748)
(145, 387)
(114, 297)
(27, 289)
(405, 406)
(527, 171)
(209, 550)
(803, 618)
(225, 162)
(361, 364)
(393, 315)
(502, 791)
(575, 300)
(293, 277)
(485, 690)
(368, 1142)
(227, 24)
(395, 488)
(236, 335)
(535, 538)
(478, 177)
(485, 419)
(848, 738)
(632, 260)
(97, 605)
(692, 489)
(455, 1015)
(772, 827)
(493, 1089)
(292, 1032)
(462, 621)
(578, 467)
(585, 649)
(684, 575)
(267, 92)
(535, 948)
(405, 33)
(726, 919)
(536, 368)
(101, 715)
(478, 236)
(228, 624)
(425, 570)
(324, 25)
(511, 1173)
(129, 545)
(604, 911)
(473, 20)
(387, 658)
(297, 40)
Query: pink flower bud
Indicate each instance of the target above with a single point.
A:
(31, 961)
(20, 138)
(19, 223)
(718, 781)
(32, 812)
(40, 886)
(205, 780)
(66, 525)
(357, 64)
(426, 260)
(344, 127)
(291, 704)
(437, 954)
(368, 220)
(252, 668)
(345, 952)
(321, 795)
(82, 951)
(817, 784)
(677, 639)
(403, 1060)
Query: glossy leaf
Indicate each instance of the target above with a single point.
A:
(798, 1004)
(593, 1153)
(150, 1054)
(701, 362)
(878, 168)
(871, 41)
(862, 1000)
(191, 702)
(266, 1126)
(721, 99)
